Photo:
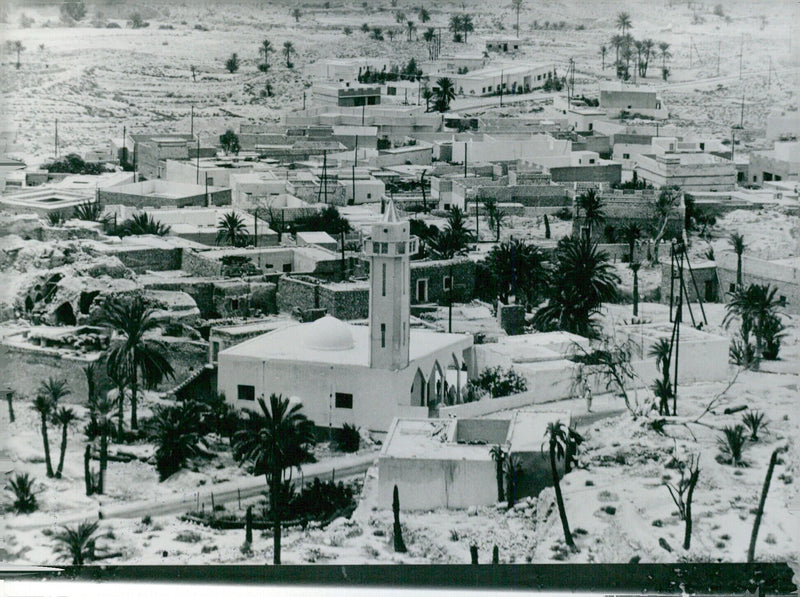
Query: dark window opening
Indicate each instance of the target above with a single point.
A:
(732, 288)
(344, 400)
(246, 393)
(287, 267)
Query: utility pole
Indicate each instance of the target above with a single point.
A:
(355, 157)
(341, 238)
(255, 228)
(197, 163)
(741, 117)
(325, 174)
(450, 305)
(124, 145)
(304, 101)
(208, 204)
(465, 163)
(741, 53)
(56, 139)
(191, 131)
(501, 88)
(354, 185)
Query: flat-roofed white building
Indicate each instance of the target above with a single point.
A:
(514, 77)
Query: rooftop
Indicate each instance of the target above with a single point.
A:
(331, 341)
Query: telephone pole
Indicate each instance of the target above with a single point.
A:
(192, 123)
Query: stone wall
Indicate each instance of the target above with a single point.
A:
(216, 197)
(23, 369)
(608, 173)
(462, 271)
(706, 278)
(198, 264)
(150, 258)
(345, 301)
(757, 271)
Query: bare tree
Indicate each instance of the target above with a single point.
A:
(683, 492)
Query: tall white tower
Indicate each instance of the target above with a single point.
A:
(389, 251)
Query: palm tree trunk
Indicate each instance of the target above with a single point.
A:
(47, 460)
(274, 503)
(687, 534)
(134, 388)
(499, 474)
(738, 271)
(101, 481)
(10, 399)
(559, 498)
(760, 512)
(635, 294)
(63, 451)
(120, 413)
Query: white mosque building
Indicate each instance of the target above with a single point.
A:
(361, 375)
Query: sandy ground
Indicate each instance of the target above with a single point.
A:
(95, 81)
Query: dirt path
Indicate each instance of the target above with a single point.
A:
(339, 468)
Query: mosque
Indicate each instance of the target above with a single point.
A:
(361, 375)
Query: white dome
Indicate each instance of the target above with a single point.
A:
(328, 333)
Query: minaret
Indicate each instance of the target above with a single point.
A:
(389, 251)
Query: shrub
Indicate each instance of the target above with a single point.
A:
(742, 352)
(136, 21)
(176, 436)
(732, 443)
(498, 382)
(772, 331)
(754, 421)
(349, 439)
(564, 214)
(232, 63)
(21, 487)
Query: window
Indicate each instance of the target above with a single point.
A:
(401, 248)
(214, 351)
(626, 156)
(210, 181)
(447, 283)
(344, 400)
(369, 195)
(383, 279)
(732, 288)
(246, 392)
(422, 291)
(383, 335)
(591, 160)
(234, 304)
(287, 267)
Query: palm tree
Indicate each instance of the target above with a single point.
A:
(467, 26)
(90, 211)
(232, 230)
(18, 47)
(64, 417)
(617, 42)
(288, 50)
(635, 266)
(456, 24)
(279, 437)
(648, 46)
(45, 403)
(665, 55)
(424, 15)
(193, 69)
(90, 371)
(757, 307)
(142, 358)
(499, 457)
(736, 241)
(297, 14)
(603, 51)
(517, 5)
(631, 232)
(142, 223)
(495, 217)
(624, 22)
(518, 270)
(580, 281)
(454, 239)
(176, 436)
(76, 543)
(105, 427)
(557, 433)
(264, 50)
(427, 94)
(120, 377)
(429, 36)
(592, 207)
(444, 92)
(21, 487)
(410, 28)
(662, 351)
